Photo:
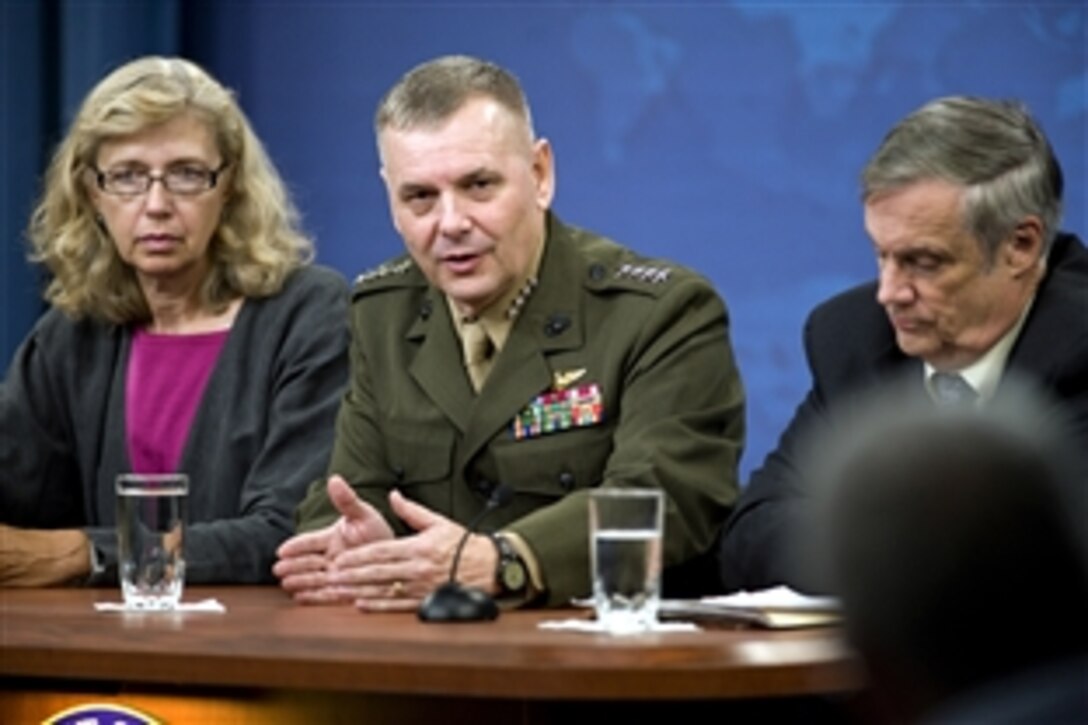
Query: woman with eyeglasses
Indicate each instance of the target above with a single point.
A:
(187, 332)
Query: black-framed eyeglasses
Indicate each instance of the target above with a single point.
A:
(183, 179)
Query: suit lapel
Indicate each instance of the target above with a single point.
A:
(892, 363)
(1038, 349)
(896, 371)
(436, 365)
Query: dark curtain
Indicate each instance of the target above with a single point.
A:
(53, 52)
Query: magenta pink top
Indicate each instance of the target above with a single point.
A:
(164, 385)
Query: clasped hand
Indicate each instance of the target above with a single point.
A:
(42, 558)
(358, 559)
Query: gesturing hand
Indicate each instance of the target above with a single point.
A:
(396, 574)
(306, 560)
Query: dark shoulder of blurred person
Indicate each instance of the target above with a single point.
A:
(958, 542)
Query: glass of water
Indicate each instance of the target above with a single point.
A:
(151, 512)
(626, 527)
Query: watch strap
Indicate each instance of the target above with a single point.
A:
(509, 556)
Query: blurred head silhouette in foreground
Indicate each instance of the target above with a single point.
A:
(957, 540)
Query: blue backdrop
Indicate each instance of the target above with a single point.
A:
(724, 135)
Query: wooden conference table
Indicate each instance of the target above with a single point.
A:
(268, 660)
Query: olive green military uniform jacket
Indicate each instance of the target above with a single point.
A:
(644, 343)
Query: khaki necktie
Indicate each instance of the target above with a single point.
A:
(479, 352)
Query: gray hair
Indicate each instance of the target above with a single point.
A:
(433, 91)
(994, 149)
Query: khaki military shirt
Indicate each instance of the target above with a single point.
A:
(618, 371)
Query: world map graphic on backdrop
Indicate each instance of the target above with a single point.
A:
(826, 69)
(726, 136)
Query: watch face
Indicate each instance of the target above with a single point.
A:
(513, 576)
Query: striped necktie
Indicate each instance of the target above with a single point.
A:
(952, 390)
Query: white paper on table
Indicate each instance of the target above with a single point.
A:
(781, 598)
(204, 605)
(593, 626)
(776, 608)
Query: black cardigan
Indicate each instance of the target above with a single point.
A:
(262, 433)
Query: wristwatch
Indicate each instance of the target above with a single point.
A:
(510, 573)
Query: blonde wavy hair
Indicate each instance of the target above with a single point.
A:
(256, 245)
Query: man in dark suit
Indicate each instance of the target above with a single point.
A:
(976, 286)
(508, 351)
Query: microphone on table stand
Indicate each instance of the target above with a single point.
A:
(453, 601)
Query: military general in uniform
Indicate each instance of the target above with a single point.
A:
(508, 353)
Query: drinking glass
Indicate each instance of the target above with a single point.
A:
(626, 527)
(151, 511)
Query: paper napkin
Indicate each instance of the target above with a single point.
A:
(204, 605)
(593, 626)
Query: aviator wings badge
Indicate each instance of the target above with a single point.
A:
(563, 379)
